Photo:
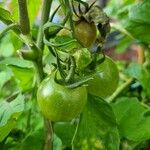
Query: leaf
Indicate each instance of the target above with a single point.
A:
(60, 40)
(65, 131)
(24, 75)
(22, 70)
(142, 75)
(140, 12)
(123, 44)
(134, 70)
(57, 144)
(34, 141)
(139, 31)
(6, 47)
(4, 77)
(97, 129)
(145, 81)
(132, 119)
(15, 61)
(5, 16)
(9, 113)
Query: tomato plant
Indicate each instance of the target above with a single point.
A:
(74, 75)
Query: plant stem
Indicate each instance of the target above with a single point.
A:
(67, 4)
(24, 18)
(44, 18)
(25, 30)
(120, 90)
(49, 136)
(9, 27)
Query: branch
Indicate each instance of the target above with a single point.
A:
(44, 18)
(120, 90)
(49, 136)
(12, 26)
(24, 19)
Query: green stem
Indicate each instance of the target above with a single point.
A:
(28, 127)
(120, 90)
(67, 4)
(44, 18)
(24, 18)
(9, 27)
(39, 68)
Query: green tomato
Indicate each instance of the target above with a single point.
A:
(105, 79)
(85, 32)
(59, 103)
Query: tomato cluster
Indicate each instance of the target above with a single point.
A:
(64, 99)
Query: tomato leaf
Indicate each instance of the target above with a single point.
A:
(65, 131)
(140, 12)
(24, 75)
(5, 16)
(142, 75)
(9, 113)
(4, 77)
(133, 119)
(17, 62)
(97, 127)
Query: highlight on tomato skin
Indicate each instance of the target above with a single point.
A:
(59, 103)
(105, 79)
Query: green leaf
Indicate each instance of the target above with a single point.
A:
(123, 44)
(24, 75)
(132, 118)
(140, 12)
(57, 144)
(9, 113)
(137, 71)
(97, 129)
(4, 77)
(145, 81)
(134, 70)
(72, 44)
(5, 16)
(65, 131)
(139, 30)
(34, 141)
(6, 47)
(15, 61)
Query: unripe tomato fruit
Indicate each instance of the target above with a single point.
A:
(105, 79)
(85, 32)
(59, 103)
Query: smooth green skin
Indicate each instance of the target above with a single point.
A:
(105, 79)
(59, 103)
(86, 33)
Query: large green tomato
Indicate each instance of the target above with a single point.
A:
(105, 79)
(59, 103)
(85, 32)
